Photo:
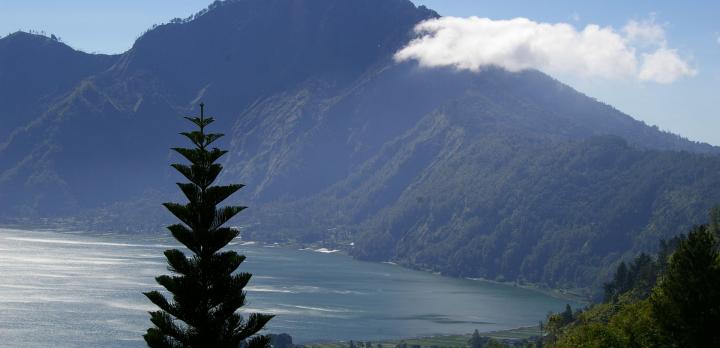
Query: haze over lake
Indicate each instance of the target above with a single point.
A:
(80, 290)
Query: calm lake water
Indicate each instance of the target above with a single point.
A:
(80, 290)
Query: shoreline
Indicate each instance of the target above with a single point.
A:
(579, 295)
(558, 293)
(441, 340)
(575, 295)
(517, 333)
(570, 294)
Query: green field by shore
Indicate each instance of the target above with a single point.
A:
(439, 340)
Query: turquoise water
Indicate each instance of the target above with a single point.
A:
(80, 290)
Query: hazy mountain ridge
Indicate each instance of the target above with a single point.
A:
(26, 62)
(333, 138)
(440, 194)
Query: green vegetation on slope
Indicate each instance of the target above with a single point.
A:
(560, 214)
(502, 205)
(682, 309)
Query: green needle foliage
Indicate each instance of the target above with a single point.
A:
(686, 303)
(206, 291)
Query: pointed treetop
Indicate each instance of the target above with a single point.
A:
(206, 290)
(200, 121)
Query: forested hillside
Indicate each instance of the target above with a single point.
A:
(666, 300)
(509, 176)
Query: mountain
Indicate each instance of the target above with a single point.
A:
(98, 143)
(488, 182)
(35, 71)
(501, 175)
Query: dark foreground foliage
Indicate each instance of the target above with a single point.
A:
(206, 290)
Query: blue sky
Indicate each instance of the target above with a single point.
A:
(691, 30)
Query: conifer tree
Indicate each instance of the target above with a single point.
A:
(476, 341)
(206, 291)
(686, 303)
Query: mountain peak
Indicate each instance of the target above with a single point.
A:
(25, 35)
(22, 43)
(303, 31)
(262, 45)
(387, 6)
(34, 70)
(25, 40)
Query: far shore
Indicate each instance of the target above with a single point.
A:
(435, 340)
(520, 333)
(580, 295)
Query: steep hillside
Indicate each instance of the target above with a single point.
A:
(106, 138)
(34, 72)
(487, 183)
(302, 140)
(510, 207)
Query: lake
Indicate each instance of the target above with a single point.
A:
(84, 290)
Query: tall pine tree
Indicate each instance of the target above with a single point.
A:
(686, 302)
(206, 291)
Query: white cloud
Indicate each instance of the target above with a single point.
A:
(517, 44)
(645, 32)
(664, 66)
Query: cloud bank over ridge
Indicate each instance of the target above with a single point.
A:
(639, 51)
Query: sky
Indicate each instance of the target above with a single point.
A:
(659, 61)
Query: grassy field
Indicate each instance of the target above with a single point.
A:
(443, 340)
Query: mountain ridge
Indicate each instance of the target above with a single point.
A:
(339, 143)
